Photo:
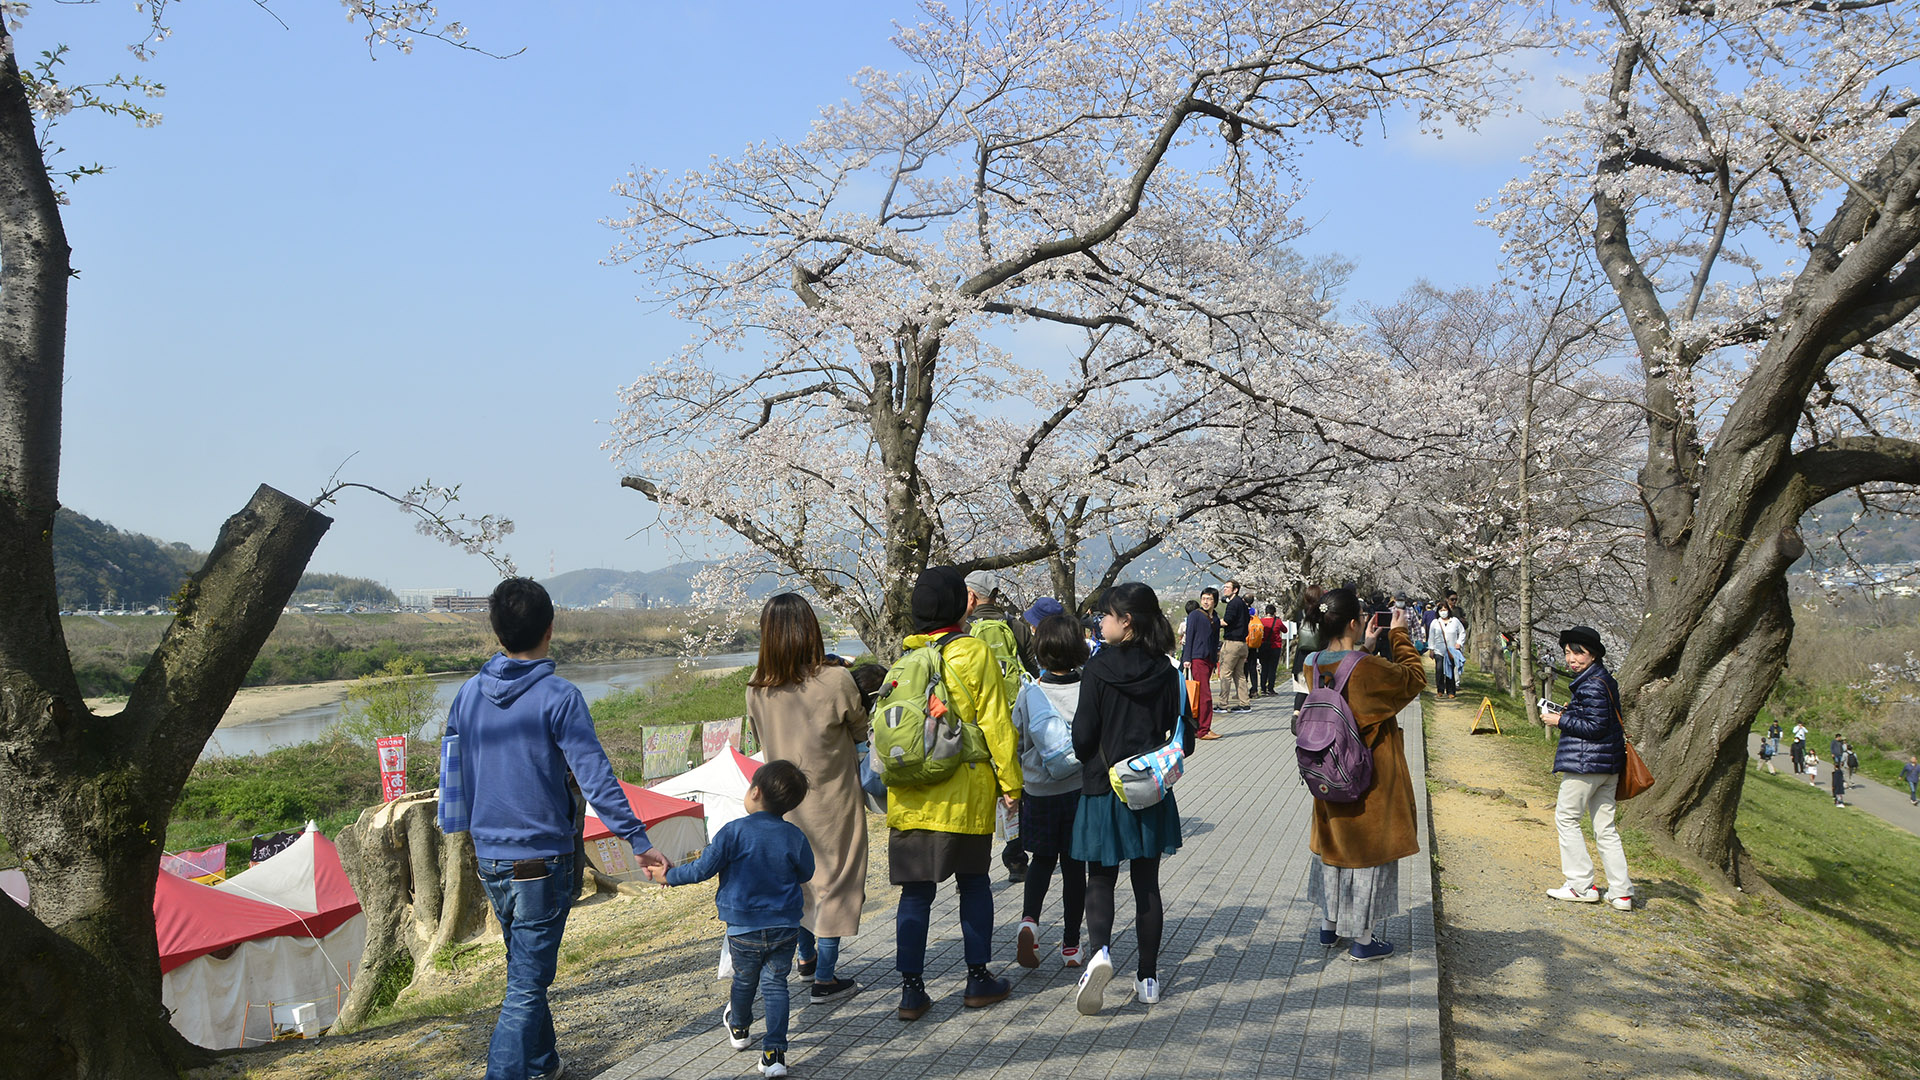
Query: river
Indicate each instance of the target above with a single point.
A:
(594, 680)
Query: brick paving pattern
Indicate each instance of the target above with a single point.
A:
(1247, 990)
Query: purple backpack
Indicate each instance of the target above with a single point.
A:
(1335, 763)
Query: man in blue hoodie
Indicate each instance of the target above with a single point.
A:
(522, 730)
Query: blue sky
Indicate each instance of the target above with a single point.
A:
(320, 255)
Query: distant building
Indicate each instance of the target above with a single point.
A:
(422, 599)
(623, 601)
(461, 602)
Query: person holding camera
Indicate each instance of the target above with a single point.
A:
(1590, 756)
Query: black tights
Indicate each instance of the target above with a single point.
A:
(1147, 916)
(1073, 893)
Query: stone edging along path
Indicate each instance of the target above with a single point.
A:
(1247, 989)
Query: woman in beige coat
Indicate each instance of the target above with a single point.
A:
(807, 711)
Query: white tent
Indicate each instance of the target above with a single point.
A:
(258, 947)
(720, 785)
(14, 884)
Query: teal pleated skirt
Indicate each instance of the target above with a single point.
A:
(1107, 833)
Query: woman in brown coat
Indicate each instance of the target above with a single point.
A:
(1357, 846)
(807, 711)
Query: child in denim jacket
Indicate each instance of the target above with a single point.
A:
(761, 860)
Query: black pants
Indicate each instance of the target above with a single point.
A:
(1799, 757)
(1269, 667)
(1073, 894)
(1148, 918)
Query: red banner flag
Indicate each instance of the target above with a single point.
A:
(393, 765)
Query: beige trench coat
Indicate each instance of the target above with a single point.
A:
(815, 724)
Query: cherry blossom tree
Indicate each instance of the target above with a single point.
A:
(1529, 511)
(1744, 175)
(84, 799)
(1037, 165)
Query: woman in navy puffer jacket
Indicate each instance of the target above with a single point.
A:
(1590, 756)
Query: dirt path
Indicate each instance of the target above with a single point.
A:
(1533, 987)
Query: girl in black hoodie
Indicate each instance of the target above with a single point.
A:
(1129, 704)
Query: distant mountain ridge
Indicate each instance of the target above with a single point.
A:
(96, 565)
(670, 585)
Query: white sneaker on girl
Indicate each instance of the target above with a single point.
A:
(1093, 984)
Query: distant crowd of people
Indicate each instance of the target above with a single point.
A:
(1065, 735)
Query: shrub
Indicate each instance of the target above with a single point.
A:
(395, 700)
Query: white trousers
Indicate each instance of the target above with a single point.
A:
(1582, 794)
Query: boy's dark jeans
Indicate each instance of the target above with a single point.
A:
(763, 957)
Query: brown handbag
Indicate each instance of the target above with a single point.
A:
(1635, 777)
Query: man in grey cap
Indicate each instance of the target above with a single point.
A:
(985, 595)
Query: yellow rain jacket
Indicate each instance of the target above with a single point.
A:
(963, 803)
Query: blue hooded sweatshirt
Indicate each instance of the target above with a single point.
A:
(521, 728)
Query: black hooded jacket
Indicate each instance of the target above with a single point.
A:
(1129, 703)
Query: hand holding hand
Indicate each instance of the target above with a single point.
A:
(654, 864)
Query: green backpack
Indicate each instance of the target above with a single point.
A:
(999, 640)
(917, 738)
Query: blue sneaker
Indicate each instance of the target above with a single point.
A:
(1377, 949)
(1329, 938)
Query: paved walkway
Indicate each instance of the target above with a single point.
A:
(1889, 804)
(1248, 990)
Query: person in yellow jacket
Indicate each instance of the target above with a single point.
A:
(946, 829)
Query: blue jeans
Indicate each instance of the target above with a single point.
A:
(533, 915)
(916, 908)
(763, 957)
(826, 950)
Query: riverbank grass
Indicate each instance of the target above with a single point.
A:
(1834, 967)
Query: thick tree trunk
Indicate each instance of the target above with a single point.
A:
(84, 800)
(1483, 626)
(63, 1014)
(420, 890)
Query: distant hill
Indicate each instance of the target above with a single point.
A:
(1878, 538)
(341, 589)
(98, 566)
(669, 585)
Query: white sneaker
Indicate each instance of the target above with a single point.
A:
(1093, 984)
(1146, 991)
(1026, 946)
(1622, 903)
(1070, 955)
(737, 1037)
(1589, 895)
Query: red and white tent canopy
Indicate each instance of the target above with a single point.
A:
(194, 919)
(676, 826)
(306, 877)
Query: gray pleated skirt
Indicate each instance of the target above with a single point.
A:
(1357, 901)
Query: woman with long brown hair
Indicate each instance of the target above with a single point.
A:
(809, 712)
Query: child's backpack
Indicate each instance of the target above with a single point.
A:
(998, 637)
(917, 739)
(1046, 748)
(1335, 763)
(1256, 633)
